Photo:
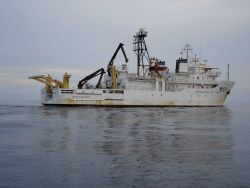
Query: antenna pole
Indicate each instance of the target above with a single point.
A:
(227, 72)
(200, 50)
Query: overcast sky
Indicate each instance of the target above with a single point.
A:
(80, 36)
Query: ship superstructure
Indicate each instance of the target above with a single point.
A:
(193, 83)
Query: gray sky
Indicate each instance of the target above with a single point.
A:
(80, 36)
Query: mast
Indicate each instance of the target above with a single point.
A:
(187, 49)
(140, 48)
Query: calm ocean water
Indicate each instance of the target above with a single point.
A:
(124, 147)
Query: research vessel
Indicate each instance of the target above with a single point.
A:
(192, 83)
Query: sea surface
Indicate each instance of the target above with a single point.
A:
(64, 147)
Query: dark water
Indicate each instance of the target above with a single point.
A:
(124, 147)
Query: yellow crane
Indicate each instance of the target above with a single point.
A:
(51, 82)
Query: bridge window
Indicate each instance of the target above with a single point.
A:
(67, 91)
(119, 91)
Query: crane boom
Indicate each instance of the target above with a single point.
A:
(111, 62)
(47, 80)
(89, 77)
(51, 82)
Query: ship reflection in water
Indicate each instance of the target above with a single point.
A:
(118, 147)
(163, 147)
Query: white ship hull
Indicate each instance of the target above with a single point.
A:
(193, 83)
(117, 97)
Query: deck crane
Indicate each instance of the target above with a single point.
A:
(111, 62)
(89, 77)
(51, 83)
(111, 68)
